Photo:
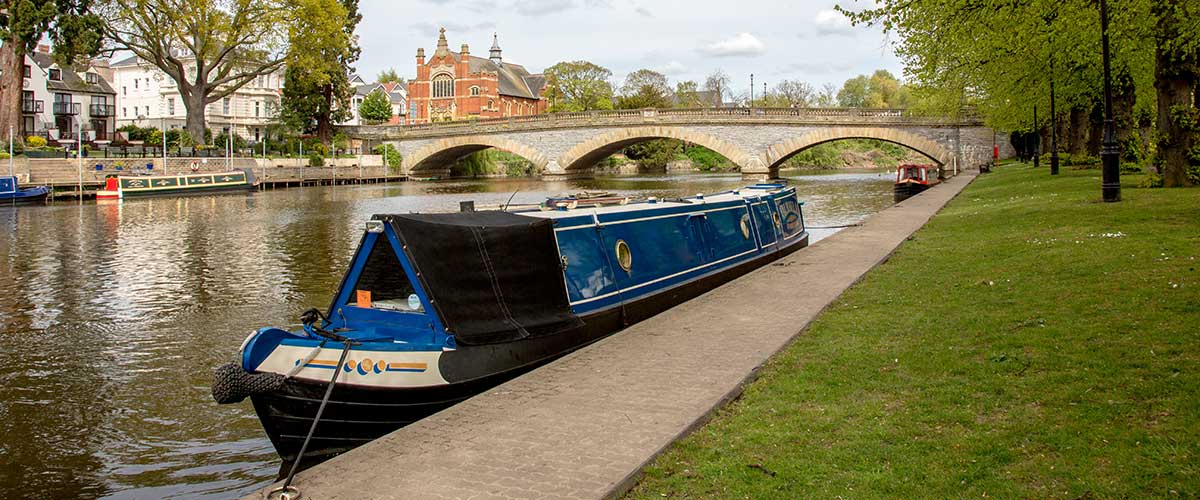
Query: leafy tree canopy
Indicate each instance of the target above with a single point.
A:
(578, 86)
(376, 107)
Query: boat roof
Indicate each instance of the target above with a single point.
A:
(748, 193)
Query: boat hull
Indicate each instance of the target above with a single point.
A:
(29, 196)
(180, 185)
(906, 190)
(356, 415)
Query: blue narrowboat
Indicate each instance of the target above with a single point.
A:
(12, 193)
(436, 308)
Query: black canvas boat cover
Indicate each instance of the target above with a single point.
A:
(492, 276)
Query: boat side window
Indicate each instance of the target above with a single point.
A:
(383, 283)
(791, 218)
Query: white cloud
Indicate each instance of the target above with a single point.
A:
(742, 44)
(673, 68)
(832, 22)
(543, 7)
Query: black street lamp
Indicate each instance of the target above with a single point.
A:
(1110, 186)
(1037, 140)
(1053, 125)
(751, 90)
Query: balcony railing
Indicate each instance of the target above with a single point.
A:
(102, 110)
(30, 106)
(66, 108)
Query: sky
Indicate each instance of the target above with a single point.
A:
(775, 40)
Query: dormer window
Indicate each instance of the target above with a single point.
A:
(55, 75)
(92, 78)
(27, 71)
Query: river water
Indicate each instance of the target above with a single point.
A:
(113, 316)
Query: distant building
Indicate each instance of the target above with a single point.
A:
(147, 97)
(57, 101)
(396, 92)
(457, 85)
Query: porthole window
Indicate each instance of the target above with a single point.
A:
(745, 223)
(624, 257)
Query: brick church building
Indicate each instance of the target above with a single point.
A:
(457, 86)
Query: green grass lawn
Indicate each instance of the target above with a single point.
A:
(1029, 342)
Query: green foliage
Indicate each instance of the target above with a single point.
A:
(376, 107)
(578, 86)
(393, 156)
(687, 95)
(239, 142)
(322, 47)
(389, 76)
(315, 159)
(4, 155)
(35, 141)
(645, 89)
(706, 159)
(136, 133)
(655, 154)
(880, 90)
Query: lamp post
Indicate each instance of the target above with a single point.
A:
(164, 144)
(751, 90)
(1110, 186)
(1037, 139)
(79, 154)
(1053, 125)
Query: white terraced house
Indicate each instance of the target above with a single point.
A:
(57, 101)
(147, 97)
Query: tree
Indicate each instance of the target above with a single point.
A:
(718, 82)
(71, 27)
(687, 95)
(390, 76)
(209, 48)
(795, 93)
(854, 92)
(578, 86)
(645, 88)
(376, 107)
(827, 98)
(316, 91)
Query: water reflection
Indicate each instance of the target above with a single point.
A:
(112, 317)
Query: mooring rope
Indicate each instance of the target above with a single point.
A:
(287, 490)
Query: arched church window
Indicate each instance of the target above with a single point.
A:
(443, 86)
(474, 90)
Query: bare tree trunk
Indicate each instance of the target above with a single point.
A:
(194, 104)
(12, 63)
(1175, 78)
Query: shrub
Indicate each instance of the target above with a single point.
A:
(393, 157)
(35, 141)
(706, 159)
(316, 160)
(1152, 180)
(4, 155)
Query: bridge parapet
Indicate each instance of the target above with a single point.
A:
(681, 116)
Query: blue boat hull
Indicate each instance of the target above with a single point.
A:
(37, 194)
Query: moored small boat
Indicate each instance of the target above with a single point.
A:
(911, 180)
(436, 308)
(123, 186)
(11, 193)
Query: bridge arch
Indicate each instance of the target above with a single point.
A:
(437, 156)
(585, 155)
(779, 152)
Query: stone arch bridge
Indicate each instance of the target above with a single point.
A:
(756, 140)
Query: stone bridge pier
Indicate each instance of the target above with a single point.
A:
(758, 141)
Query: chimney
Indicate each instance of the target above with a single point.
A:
(421, 56)
(43, 48)
(466, 53)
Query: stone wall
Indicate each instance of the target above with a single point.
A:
(56, 170)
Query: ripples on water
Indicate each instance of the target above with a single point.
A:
(112, 317)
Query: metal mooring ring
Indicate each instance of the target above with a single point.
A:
(284, 493)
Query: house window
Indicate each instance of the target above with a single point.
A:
(225, 106)
(171, 106)
(256, 105)
(92, 78)
(27, 71)
(474, 90)
(125, 112)
(147, 110)
(491, 104)
(136, 82)
(443, 86)
(55, 75)
(124, 90)
(256, 136)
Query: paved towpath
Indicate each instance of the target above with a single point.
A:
(584, 426)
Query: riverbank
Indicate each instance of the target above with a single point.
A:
(1029, 342)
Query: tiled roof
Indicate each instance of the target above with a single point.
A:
(71, 81)
(514, 79)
